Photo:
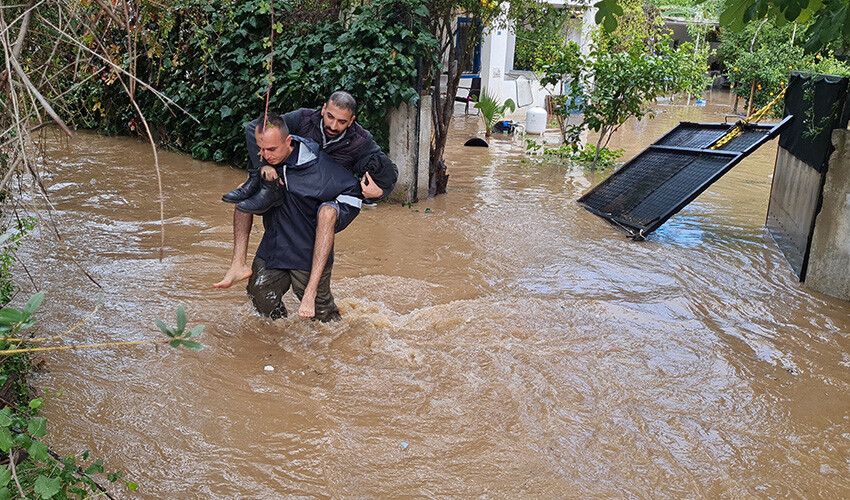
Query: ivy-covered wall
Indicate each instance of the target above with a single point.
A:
(212, 58)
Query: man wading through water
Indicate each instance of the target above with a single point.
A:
(348, 144)
(305, 175)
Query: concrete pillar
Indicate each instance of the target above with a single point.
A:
(494, 50)
(409, 152)
(829, 257)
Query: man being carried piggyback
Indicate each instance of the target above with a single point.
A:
(302, 176)
(333, 128)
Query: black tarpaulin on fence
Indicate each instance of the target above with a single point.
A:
(820, 104)
(670, 173)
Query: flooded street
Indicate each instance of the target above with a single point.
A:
(499, 341)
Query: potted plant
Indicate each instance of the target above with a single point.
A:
(491, 110)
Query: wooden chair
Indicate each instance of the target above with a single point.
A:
(473, 94)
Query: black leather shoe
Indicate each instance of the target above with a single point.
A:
(270, 195)
(247, 189)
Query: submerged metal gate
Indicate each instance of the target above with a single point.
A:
(821, 105)
(651, 187)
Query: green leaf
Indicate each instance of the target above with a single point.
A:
(194, 332)
(10, 315)
(131, 486)
(95, 468)
(174, 343)
(23, 440)
(733, 15)
(34, 303)
(114, 476)
(181, 319)
(5, 475)
(36, 403)
(5, 494)
(5, 417)
(37, 427)
(225, 111)
(38, 451)
(46, 487)
(192, 345)
(166, 330)
(5, 440)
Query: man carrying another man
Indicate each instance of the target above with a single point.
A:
(348, 144)
(284, 257)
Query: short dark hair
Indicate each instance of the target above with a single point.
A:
(273, 120)
(344, 100)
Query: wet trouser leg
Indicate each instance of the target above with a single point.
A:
(266, 288)
(326, 309)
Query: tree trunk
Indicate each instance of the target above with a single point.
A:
(443, 106)
(752, 97)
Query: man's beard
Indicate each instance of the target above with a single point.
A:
(331, 133)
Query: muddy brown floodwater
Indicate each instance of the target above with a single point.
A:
(498, 341)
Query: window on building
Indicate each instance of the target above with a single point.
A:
(468, 30)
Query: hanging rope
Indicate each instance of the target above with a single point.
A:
(739, 127)
(271, 74)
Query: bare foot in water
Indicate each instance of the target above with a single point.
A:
(235, 274)
(308, 305)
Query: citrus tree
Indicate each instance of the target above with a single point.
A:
(760, 58)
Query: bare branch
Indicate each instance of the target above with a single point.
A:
(34, 91)
(162, 97)
(105, 8)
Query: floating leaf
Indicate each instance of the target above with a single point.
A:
(181, 319)
(194, 332)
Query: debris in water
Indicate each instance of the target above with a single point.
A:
(269, 368)
(477, 142)
(402, 446)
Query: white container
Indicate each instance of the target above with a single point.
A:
(535, 121)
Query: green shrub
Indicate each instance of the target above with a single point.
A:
(212, 58)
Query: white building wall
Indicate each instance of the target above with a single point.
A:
(497, 55)
(494, 49)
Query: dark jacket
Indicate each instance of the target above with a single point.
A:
(311, 178)
(357, 151)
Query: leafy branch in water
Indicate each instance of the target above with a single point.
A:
(13, 321)
(28, 468)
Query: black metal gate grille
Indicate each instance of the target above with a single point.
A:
(670, 173)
